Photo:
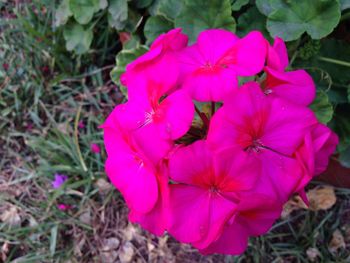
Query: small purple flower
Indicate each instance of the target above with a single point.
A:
(59, 180)
(95, 148)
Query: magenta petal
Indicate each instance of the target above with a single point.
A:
(187, 226)
(214, 43)
(156, 221)
(259, 212)
(189, 164)
(172, 40)
(211, 85)
(295, 86)
(324, 142)
(280, 176)
(221, 210)
(236, 169)
(287, 123)
(179, 112)
(233, 241)
(134, 179)
(277, 57)
(247, 56)
(205, 77)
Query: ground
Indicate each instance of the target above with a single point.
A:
(51, 107)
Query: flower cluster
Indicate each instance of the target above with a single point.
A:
(207, 158)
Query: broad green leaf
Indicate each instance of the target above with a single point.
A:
(266, 7)
(83, 10)
(62, 14)
(118, 13)
(317, 18)
(167, 8)
(134, 21)
(77, 38)
(142, 3)
(134, 42)
(322, 107)
(197, 15)
(250, 20)
(344, 4)
(236, 5)
(123, 58)
(155, 26)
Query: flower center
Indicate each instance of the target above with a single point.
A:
(255, 146)
(213, 189)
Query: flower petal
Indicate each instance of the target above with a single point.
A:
(295, 86)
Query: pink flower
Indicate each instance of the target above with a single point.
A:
(159, 64)
(211, 65)
(170, 116)
(213, 185)
(59, 180)
(254, 216)
(206, 191)
(268, 128)
(64, 207)
(134, 168)
(95, 148)
(296, 86)
(81, 125)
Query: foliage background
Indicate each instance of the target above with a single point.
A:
(59, 79)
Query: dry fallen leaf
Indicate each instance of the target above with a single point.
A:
(337, 242)
(4, 251)
(85, 217)
(312, 253)
(131, 232)
(103, 186)
(294, 203)
(321, 198)
(11, 216)
(109, 251)
(126, 252)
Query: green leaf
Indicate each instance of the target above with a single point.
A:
(197, 15)
(143, 3)
(236, 5)
(83, 10)
(250, 20)
(134, 21)
(317, 18)
(266, 7)
(77, 38)
(118, 13)
(62, 14)
(123, 58)
(168, 8)
(155, 26)
(322, 107)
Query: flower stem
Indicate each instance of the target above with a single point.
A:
(202, 116)
(335, 61)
